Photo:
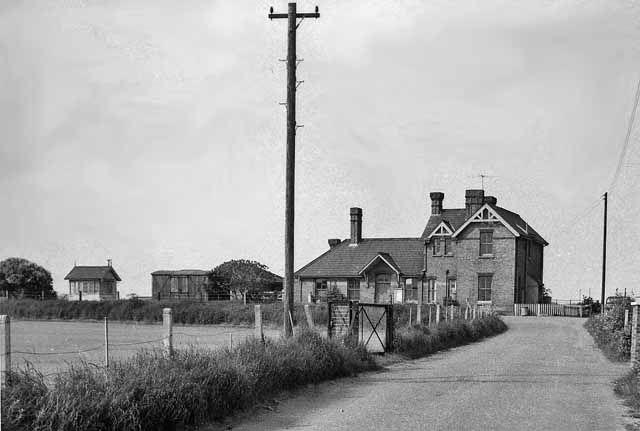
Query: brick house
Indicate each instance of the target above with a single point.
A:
(483, 254)
(93, 283)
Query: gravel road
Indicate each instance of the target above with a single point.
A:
(543, 374)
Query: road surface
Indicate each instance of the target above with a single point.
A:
(543, 374)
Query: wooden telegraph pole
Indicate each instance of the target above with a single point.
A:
(292, 62)
(604, 252)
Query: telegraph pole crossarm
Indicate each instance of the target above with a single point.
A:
(292, 17)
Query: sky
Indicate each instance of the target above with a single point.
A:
(150, 131)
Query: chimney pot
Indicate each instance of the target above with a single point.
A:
(491, 200)
(436, 202)
(108, 262)
(356, 225)
(334, 242)
(474, 199)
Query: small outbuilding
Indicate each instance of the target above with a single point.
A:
(188, 284)
(93, 283)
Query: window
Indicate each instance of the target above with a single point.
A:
(447, 247)
(484, 287)
(85, 287)
(353, 289)
(429, 293)
(410, 289)
(321, 290)
(436, 246)
(174, 285)
(452, 293)
(486, 243)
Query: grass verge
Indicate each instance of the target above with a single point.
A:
(610, 335)
(153, 392)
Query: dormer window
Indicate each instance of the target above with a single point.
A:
(436, 247)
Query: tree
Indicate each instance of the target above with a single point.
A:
(247, 276)
(22, 278)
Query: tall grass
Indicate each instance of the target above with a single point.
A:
(419, 340)
(609, 333)
(154, 392)
(184, 312)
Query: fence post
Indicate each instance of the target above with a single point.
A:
(106, 342)
(437, 314)
(634, 334)
(419, 314)
(451, 312)
(538, 315)
(307, 313)
(5, 349)
(258, 330)
(626, 318)
(474, 310)
(429, 323)
(410, 310)
(167, 325)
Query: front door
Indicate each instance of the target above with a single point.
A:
(383, 288)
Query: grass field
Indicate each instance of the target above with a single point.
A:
(85, 339)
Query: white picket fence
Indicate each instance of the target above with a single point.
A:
(574, 310)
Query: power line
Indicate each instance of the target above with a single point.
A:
(627, 138)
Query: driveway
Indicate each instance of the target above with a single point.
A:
(543, 374)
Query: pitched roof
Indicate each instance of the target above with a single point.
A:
(345, 260)
(520, 225)
(458, 216)
(455, 217)
(93, 273)
(386, 258)
(183, 272)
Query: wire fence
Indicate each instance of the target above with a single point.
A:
(127, 341)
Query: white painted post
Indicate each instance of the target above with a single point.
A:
(106, 342)
(167, 324)
(474, 310)
(5, 349)
(437, 314)
(419, 314)
(451, 312)
(258, 322)
(307, 313)
(429, 324)
(634, 334)
(466, 313)
(538, 310)
(626, 318)
(410, 310)
(244, 297)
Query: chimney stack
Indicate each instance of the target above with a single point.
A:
(356, 225)
(473, 200)
(334, 241)
(491, 200)
(108, 262)
(436, 202)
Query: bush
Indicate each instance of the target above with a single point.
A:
(155, 392)
(609, 333)
(184, 312)
(419, 340)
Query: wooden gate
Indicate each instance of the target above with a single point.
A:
(375, 327)
(340, 319)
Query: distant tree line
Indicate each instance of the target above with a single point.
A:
(21, 278)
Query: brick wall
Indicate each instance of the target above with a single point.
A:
(466, 264)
